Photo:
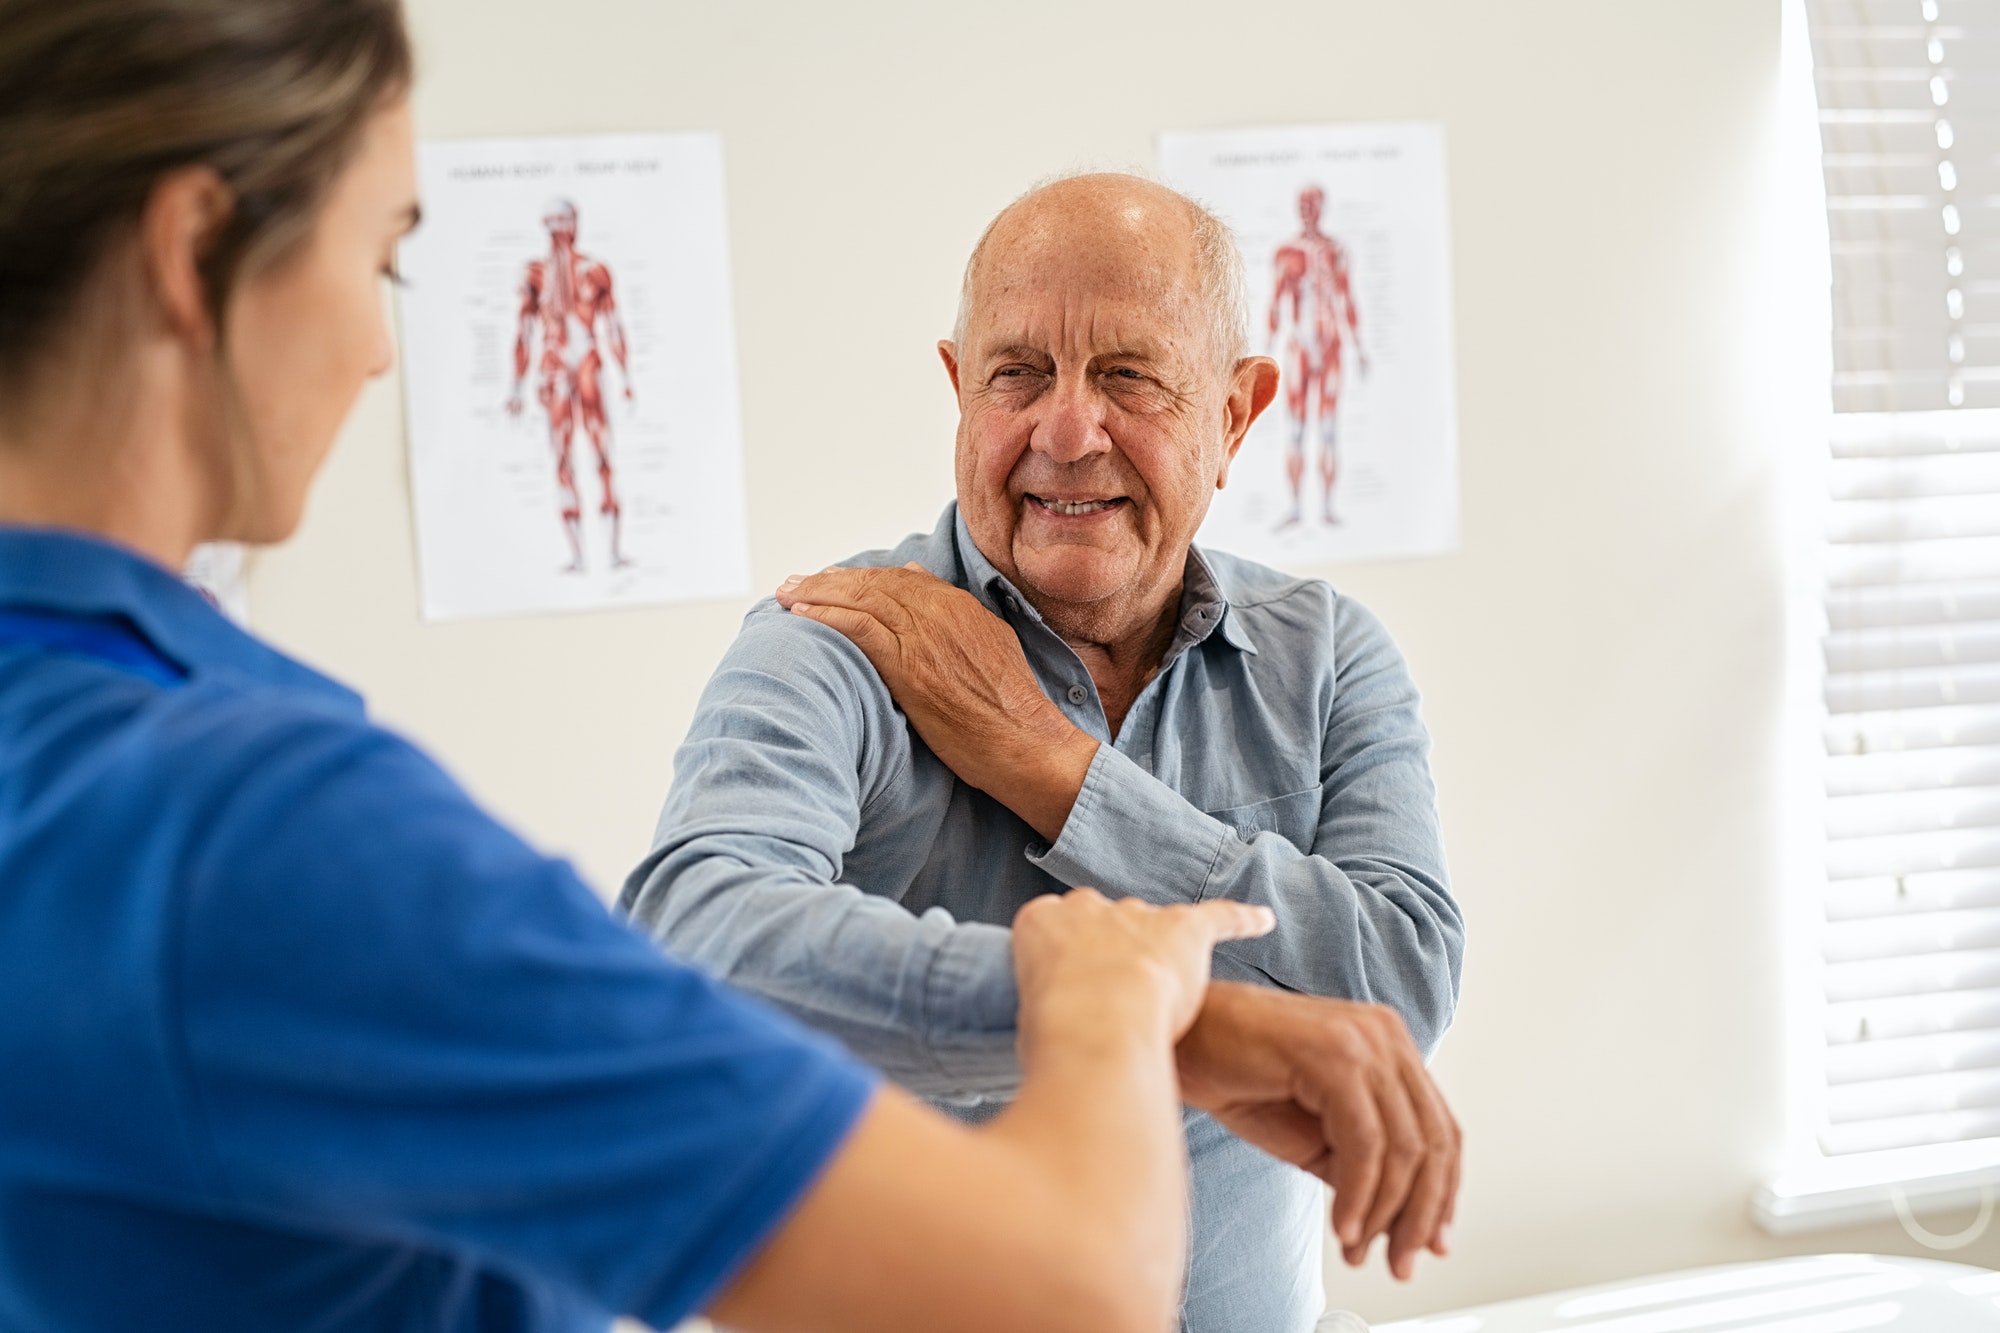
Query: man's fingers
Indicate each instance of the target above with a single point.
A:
(1443, 1145)
(1422, 1218)
(885, 593)
(1421, 1223)
(1417, 1228)
(873, 638)
(1402, 1153)
(1354, 1128)
(1227, 919)
(1441, 1242)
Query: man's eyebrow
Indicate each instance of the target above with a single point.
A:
(1136, 351)
(1024, 351)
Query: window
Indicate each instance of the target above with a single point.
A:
(1908, 973)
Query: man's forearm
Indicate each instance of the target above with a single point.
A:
(928, 1001)
(1041, 774)
(1379, 927)
(1068, 1213)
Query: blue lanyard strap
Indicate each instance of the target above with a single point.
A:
(108, 639)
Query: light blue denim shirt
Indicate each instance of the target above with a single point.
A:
(813, 850)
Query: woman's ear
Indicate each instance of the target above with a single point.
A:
(177, 229)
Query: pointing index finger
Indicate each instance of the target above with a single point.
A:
(1228, 919)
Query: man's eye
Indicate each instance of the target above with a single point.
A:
(1128, 373)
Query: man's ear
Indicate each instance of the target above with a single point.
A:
(177, 230)
(1252, 388)
(948, 353)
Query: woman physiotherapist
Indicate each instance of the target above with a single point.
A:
(292, 1036)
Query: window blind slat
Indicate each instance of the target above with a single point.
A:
(1916, 933)
(1892, 895)
(1910, 853)
(1916, 771)
(1909, 100)
(1887, 814)
(1947, 559)
(1915, 688)
(1859, 522)
(1885, 1062)
(1914, 476)
(1865, 732)
(1916, 975)
(1886, 1135)
(1924, 1094)
(1890, 1018)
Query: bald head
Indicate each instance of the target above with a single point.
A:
(1179, 251)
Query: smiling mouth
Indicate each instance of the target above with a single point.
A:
(1077, 508)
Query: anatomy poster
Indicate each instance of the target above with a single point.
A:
(1346, 248)
(571, 369)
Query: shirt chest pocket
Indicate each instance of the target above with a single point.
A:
(1295, 818)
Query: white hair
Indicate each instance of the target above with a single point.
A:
(1218, 269)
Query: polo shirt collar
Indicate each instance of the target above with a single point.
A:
(73, 573)
(1205, 606)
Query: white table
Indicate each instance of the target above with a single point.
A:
(1830, 1293)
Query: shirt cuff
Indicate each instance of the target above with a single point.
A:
(1129, 835)
(971, 1007)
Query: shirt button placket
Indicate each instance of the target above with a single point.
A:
(1078, 695)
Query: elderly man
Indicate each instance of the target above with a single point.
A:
(1055, 689)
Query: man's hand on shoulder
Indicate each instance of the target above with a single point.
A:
(1337, 1089)
(958, 673)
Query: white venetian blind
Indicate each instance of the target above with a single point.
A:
(1909, 97)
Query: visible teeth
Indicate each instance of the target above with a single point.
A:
(1073, 507)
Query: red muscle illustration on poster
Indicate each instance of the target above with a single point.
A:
(1346, 262)
(570, 350)
(567, 307)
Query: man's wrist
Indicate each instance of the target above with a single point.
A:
(1221, 1058)
(1047, 773)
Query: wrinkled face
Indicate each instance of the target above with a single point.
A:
(1092, 429)
(1311, 200)
(305, 335)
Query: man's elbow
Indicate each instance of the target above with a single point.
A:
(1431, 995)
(1429, 1019)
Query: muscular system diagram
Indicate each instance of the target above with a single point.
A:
(1312, 301)
(567, 304)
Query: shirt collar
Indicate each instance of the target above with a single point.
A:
(1206, 608)
(74, 574)
(1205, 605)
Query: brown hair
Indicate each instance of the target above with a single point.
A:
(99, 98)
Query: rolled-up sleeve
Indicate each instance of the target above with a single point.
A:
(792, 742)
(1366, 913)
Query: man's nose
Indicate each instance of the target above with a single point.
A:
(1072, 422)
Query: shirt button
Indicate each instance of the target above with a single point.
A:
(1078, 694)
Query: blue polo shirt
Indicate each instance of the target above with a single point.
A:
(293, 1036)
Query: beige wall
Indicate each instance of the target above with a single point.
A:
(1601, 663)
